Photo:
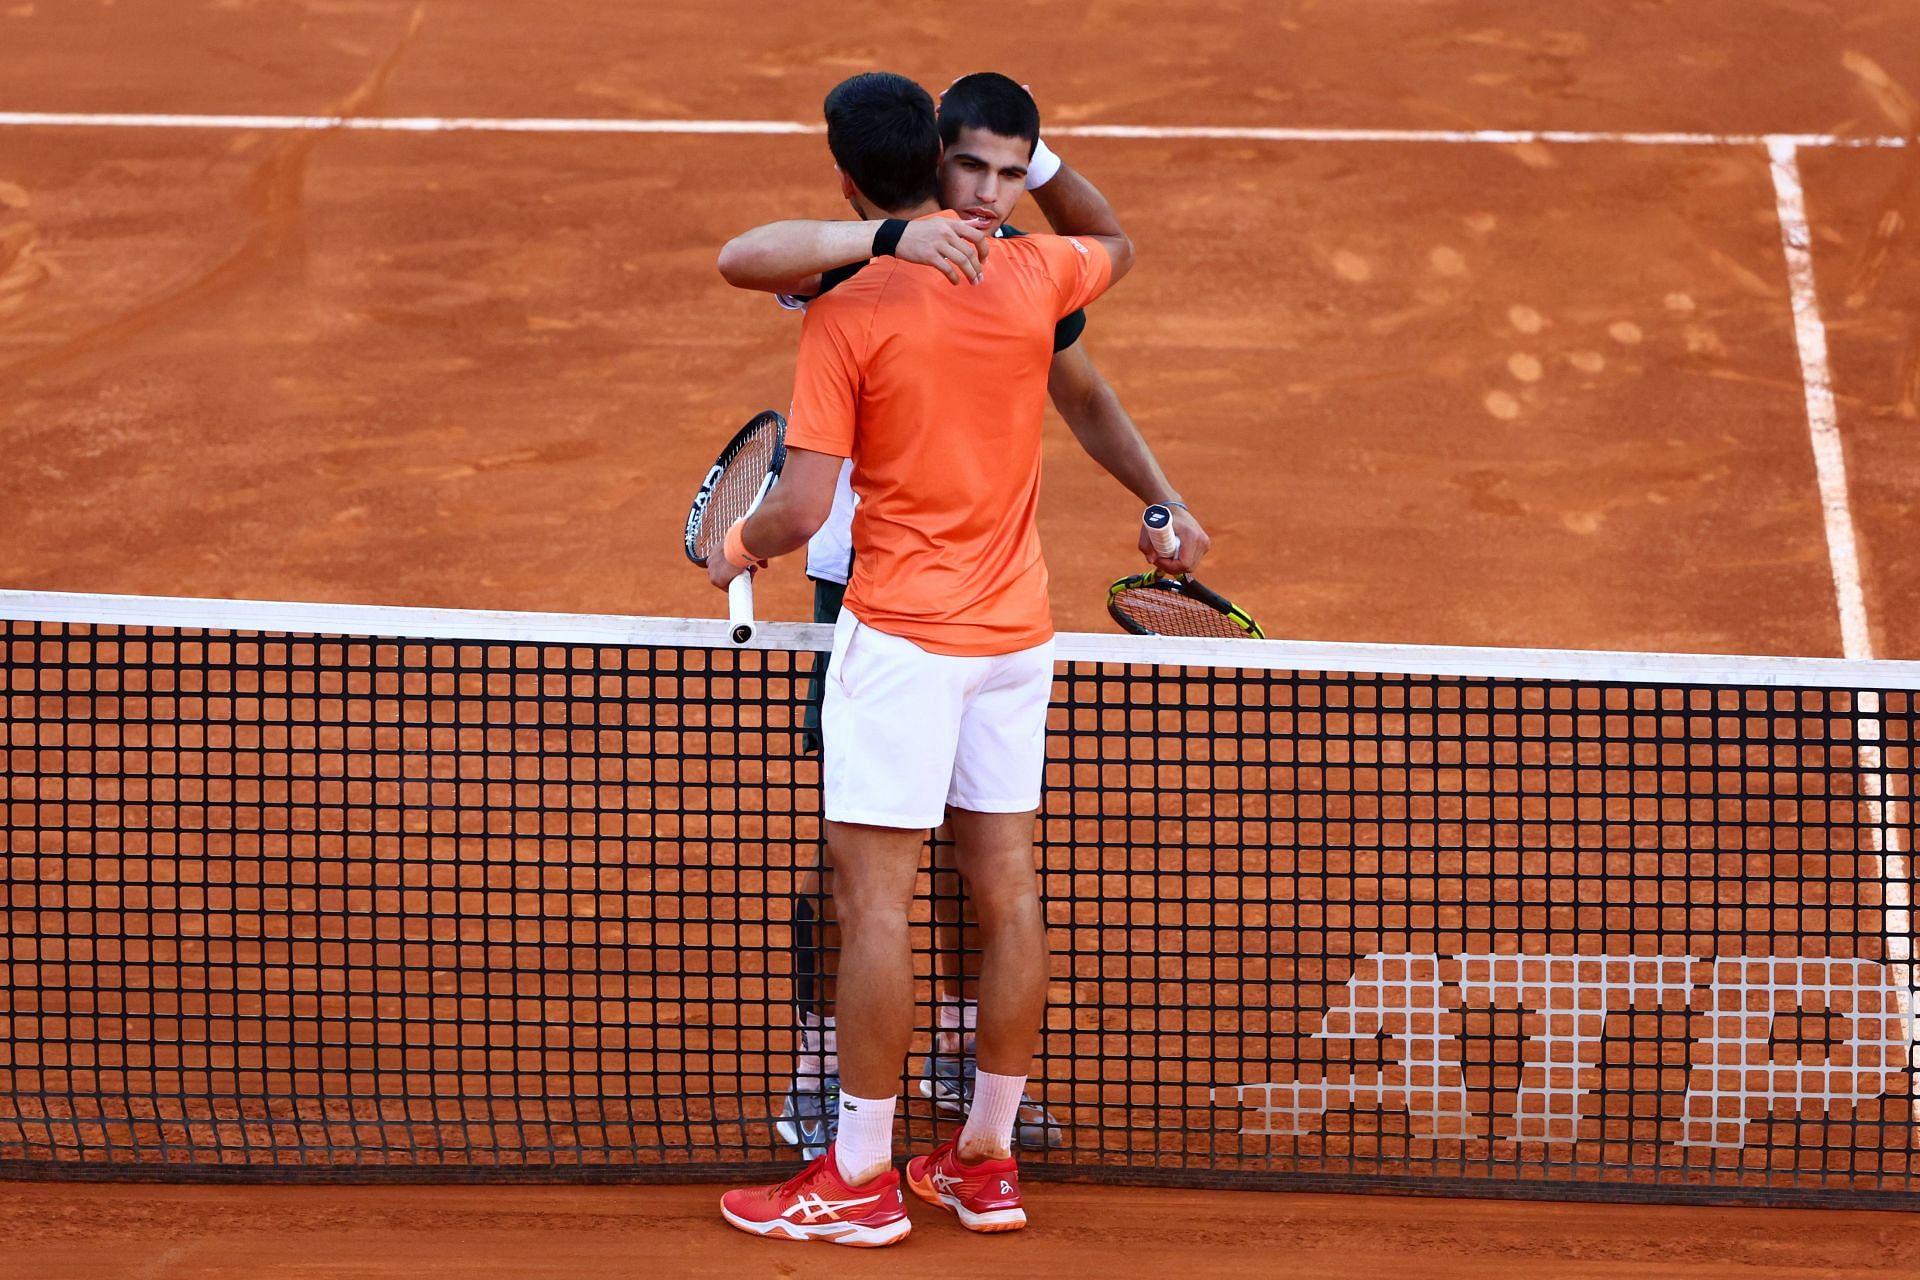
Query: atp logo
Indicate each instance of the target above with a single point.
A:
(1737, 1070)
(810, 1207)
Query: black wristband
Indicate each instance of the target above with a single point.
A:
(887, 238)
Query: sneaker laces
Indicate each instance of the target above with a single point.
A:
(794, 1183)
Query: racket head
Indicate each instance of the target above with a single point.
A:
(1151, 604)
(757, 450)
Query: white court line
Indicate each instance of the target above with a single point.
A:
(1823, 419)
(1888, 841)
(1490, 137)
(538, 124)
(394, 124)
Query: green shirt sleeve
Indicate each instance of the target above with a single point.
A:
(1068, 331)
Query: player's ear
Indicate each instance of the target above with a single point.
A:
(846, 184)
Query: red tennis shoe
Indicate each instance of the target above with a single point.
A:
(815, 1204)
(986, 1195)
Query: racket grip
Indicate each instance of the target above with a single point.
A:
(1159, 522)
(740, 607)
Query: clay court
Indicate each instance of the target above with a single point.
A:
(1459, 324)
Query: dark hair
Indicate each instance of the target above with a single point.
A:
(881, 130)
(988, 100)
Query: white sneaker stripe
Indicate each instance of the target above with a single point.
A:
(819, 1209)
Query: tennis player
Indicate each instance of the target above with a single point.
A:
(936, 703)
(991, 153)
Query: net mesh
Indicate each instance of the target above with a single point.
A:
(733, 493)
(298, 905)
(1160, 609)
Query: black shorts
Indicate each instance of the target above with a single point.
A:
(827, 599)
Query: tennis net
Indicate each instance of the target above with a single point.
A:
(306, 892)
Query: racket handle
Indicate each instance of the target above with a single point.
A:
(740, 607)
(1159, 522)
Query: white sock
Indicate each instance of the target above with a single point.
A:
(996, 1105)
(866, 1135)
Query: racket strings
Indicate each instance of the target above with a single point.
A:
(734, 491)
(1163, 610)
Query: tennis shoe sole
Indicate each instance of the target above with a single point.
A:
(987, 1221)
(851, 1234)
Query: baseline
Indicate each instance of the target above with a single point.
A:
(538, 124)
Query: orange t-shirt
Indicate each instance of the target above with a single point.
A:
(936, 391)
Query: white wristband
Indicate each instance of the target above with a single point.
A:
(1042, 167)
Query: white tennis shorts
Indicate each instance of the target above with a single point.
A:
(906, 733)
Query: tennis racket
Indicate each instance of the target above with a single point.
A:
(1152, 604)
(733, 489)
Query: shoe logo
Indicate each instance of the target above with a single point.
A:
(1006, 1188)
(815, 1208)
(945, 1182)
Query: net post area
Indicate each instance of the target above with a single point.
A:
(304, 892)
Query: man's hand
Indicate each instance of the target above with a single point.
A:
(721, 571)
(1193, 548)
(955, 247)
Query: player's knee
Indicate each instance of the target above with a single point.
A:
(862, 908)
(999, 904)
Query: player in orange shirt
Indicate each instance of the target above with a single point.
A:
(992, 153)
(942, 665)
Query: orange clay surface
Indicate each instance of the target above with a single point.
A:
(1530, 395)
(80, 1232)
(1511, 395)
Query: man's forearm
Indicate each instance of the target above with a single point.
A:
(1104, 430)
(778, 527)
(1075, 207)
(796, 506)
(774, 257)
(1101, 424)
